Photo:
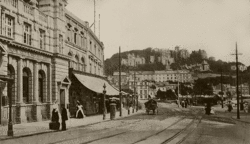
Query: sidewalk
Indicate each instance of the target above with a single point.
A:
(29, 129)
(244, 117)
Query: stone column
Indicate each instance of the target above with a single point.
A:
(35, 82)
(21, 116)
(49, 90)
(20, 81)
(37, 105)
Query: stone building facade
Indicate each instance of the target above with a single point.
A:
(39, 42)
(133, 60)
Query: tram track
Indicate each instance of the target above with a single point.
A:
(104, 129)
(113, 134)
(172, 138)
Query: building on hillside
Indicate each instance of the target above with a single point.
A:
(124, 80)
(40, 42)
(152, 59)
(211, 58)
(204, 66)
(203, 54)
(140, 87)
(183, 53)
(163, 76)
(133, 60)
(243, 89)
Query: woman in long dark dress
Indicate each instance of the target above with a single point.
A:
(55, 120)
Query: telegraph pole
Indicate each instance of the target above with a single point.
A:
(94, 16)
(221, 87)
(237, 82)
(120, 91)
(134, 94)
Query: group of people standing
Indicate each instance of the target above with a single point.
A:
(55, 119)
(55, 124)
(184, 103)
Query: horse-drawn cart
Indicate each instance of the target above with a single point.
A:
(151, 105)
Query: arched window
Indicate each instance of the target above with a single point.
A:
(26, 84)
(40, 86)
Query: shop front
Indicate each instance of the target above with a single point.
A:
(87, 89)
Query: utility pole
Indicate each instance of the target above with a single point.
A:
(134, 92)
(221, 87)
(94, 16)
(237, 82)
(120, 91)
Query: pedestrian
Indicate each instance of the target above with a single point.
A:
(54, 124)
(230, 107)
(186, 103)
(246, 107)
(208, 108)
(64, 117)
(79, 112)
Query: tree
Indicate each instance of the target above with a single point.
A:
(161, 95)
(170, 95)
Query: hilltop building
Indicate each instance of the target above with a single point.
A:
(133, 60)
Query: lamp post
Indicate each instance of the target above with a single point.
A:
(10, 124)
(137, 102)
(104, 102)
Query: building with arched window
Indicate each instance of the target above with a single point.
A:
(40, 41)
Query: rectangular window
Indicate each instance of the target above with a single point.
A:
(90, 46)
(42, 39)
(95, 50)
(60, 43)
(75, 37)
(9, 26)
(27, 34)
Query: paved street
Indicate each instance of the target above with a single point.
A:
(171, 125)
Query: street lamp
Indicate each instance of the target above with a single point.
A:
(104, 102)
(137, 103)
(10, 125)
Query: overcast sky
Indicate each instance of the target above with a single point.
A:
(212, 25)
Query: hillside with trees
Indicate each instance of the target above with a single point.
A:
(112, 64)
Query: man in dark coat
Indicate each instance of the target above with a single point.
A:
(64, 117)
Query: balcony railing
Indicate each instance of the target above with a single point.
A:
(42, 17)
(27, 8)
(11, 3)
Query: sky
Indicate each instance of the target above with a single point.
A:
(212, 25)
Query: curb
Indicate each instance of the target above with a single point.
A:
(239, 120)
(71, 128)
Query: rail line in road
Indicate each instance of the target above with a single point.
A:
(177, 141)
(170, 130)
(174, 136)
(160, 131)
(120, 125)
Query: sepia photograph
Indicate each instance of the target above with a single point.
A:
(124, 71)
